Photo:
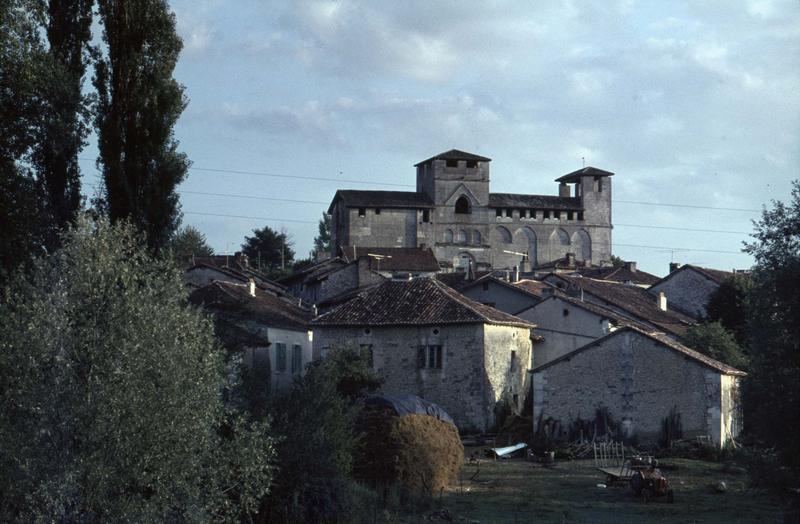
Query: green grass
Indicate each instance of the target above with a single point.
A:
(519, 491)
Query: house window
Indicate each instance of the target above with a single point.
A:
(513, 360)
(280, 357)
(426, 215)
(451, 163)
(462, 206)
(367, 349)
(297, 358)
(429, 357)
(362, 211)
(377, 211)
(565, 312)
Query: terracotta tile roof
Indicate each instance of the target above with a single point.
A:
(633, 300)
(525, 290)
(243, 275)
(383, 199)
(421, 301)
(455, 154)
(534, 201)
(665, 341)
(537, 288)
(618, 274)
(395, 258)
(233, 303)
(586, 171)
(314, 272)
(715, 275)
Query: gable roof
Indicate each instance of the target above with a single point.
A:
(535, 201)
(537, 287)
(634, 300)
(715, 275)
(395, 258)
(312, 272)
(384, 199)
(595, 309)
(455, 154)
(618, 274)
(421, 301)
(586, 171)
(233, 302)
(663, 340)
(504, 283)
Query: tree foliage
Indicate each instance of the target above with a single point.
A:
(617, 261)
(189, 242)
(316, 419)
(772, 391)
(270, 250)
(139, 103)
(714, 340)
(322, 242)
(727, 305)
(110, 394)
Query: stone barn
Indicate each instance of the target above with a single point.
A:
(428, 340)
(639, 379)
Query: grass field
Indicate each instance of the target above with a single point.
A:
(519, 491)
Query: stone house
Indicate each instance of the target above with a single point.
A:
(263, 328)
(358, 268)
(428, 340)
(641, 379)
(690, 287)
(565, 323)
(453, 212)
(631, 302)
(211, 269)
(501, 294)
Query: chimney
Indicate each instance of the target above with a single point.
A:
(251, 287)
(673, 266)
(630, 266)
(314, 310)
(515, 274)
(241, 259)
(563, 189)
(662, 301)
(470, 276)
(570, 259)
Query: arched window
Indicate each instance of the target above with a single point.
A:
(462, 237)
(462, 205)
(448, 235)
(476, 237)
(582, 243)
(562, 237)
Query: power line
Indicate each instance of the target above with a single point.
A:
(687, 205)
(269, 219)
(680, 249)
(685, 229)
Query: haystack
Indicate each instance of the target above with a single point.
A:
(405, 445)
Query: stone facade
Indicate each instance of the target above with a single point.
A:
(481, 365)
(454, 212)
(282, 369)
(639, 378)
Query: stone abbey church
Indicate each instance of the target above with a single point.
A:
(454, 213)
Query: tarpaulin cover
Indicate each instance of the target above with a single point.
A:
(408, 405)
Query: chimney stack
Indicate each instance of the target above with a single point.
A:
(630, 266)
(515, 275)
(662, 301)
(673, 266)
(570, 259)
(251, 287)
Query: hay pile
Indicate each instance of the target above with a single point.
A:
(418, 452)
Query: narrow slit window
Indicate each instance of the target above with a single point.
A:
(426, 215)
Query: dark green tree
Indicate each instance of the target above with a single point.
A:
(269, 250)
(139, 103)
(772, 390)
(714, 340)
(110, 394)
(322, 242)
(728, 306)
(22, 65)
(617, 261)
(64, 113)
(188, 242)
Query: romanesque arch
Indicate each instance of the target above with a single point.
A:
(462, 261)
(462, 236)
(582, 245)
(462, 205)
(502, 235)
(448, 236)
(558, 244)
(476, 237)
(525, 242)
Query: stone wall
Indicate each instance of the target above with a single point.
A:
(687, 290)
(564, 327)
(391, 228)
(639, 381)
(473, 377)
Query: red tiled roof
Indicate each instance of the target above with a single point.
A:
(421, 301)
(618, 274)
(395, 258)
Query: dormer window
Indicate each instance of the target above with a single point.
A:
(462, 206)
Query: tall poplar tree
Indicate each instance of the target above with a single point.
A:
(139, 103)
(64, 113)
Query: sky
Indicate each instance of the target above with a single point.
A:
(694, 105)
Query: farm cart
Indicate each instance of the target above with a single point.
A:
(609, 459)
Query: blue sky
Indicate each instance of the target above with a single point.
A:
(693, 103)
